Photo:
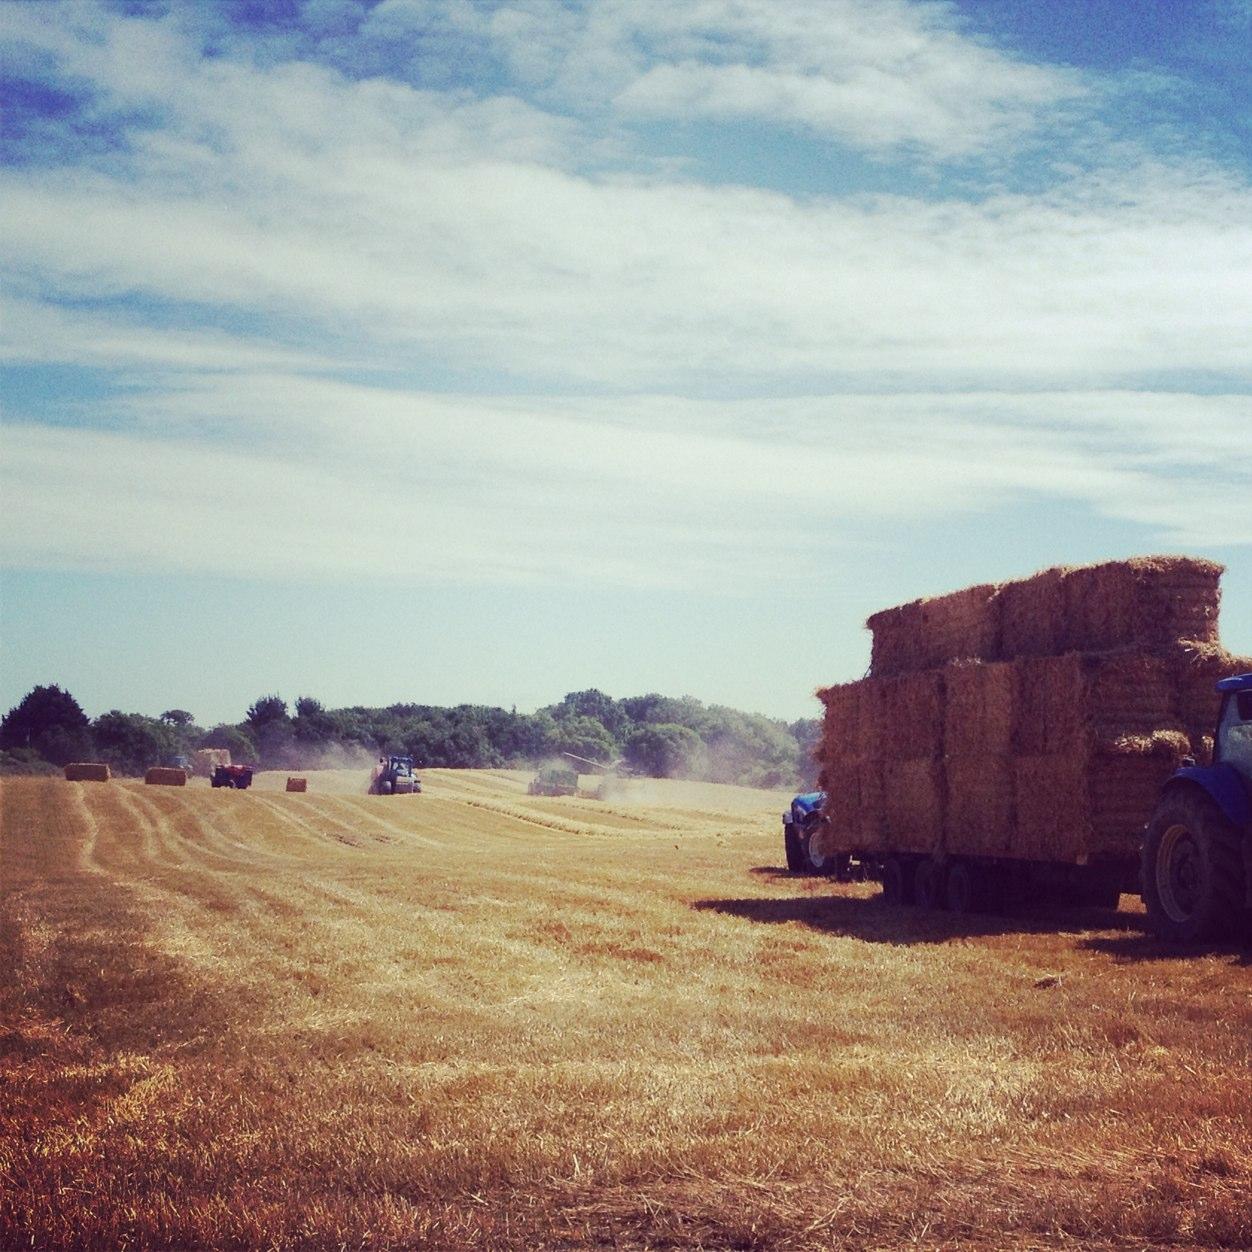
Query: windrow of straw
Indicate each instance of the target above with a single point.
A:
(1144, 602)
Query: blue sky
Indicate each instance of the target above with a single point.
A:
(441, 351)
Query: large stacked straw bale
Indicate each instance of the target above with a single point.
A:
(1037, 719)
(87, 771)
(161, 776)
(204, 760)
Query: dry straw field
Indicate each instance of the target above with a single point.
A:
(472, 1018)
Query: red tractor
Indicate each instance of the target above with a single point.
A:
(237, 776)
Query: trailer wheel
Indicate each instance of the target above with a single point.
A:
(963, 887)
(897, 882)
(928, 885)
(1193, 882)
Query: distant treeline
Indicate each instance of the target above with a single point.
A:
(655, 735)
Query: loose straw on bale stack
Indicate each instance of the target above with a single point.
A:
(1036, 719)
(87, 771)
(160, 776)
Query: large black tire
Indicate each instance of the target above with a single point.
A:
(797, 862)
(964, 887)
(1193, 877)
(897, 882)
(823, 863)
(928, 885)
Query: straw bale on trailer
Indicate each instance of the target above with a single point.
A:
(1125, 778)
(1145, 601)
(850, 722)
(205, 759)
(925, 633)
(979, 812)
(910, 716)
(912, 805)
(1197, 668)
(979, 708)
(1032, 615)
(87, 771)
(854, 801)
(297, 784)
(1066, 702)
(161, 776)
(1051, 806)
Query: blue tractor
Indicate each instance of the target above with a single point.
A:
(804, 854)
(1197, 851)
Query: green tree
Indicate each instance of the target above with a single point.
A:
(664, 750)
(177, 717)
(48, 721)
(584, 736)
(130, 742)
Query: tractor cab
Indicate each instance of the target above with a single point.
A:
(1233, 741)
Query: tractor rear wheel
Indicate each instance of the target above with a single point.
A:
(1193, 878)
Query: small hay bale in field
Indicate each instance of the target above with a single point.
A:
(910, 716)
(1053, 811)
(897, 642)
(297, 784)
(979, 708)
(87, 771)
(912, 805)
(1032, 615)
(979, 816)
(163, 776)
(1149, 601)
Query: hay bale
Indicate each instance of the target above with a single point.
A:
(854, 806)
(979, 814)
(963, 624)
(205, 760)
(297, 784)
(1125, 777)
(1197, 667)
(910, 716)
(1149, 601)
(897, 646)
(979, 708)
(1052, 808)
(1068, 703)
(850, 721)
(924, 633)
(1032, 615)
(912, 805)
(87, 771)
(162, 776)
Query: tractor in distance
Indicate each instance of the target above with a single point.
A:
(552, 780)
(237, 776)
(1197, 849)
(394, 776)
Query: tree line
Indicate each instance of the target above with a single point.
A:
(655, 735)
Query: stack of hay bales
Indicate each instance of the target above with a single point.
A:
(1035, 719)
(205, 759)
(297, 784)
(163, 776)
(87, 771)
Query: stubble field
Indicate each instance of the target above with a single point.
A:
(473, 1018)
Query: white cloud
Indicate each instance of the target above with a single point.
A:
(338, 480)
